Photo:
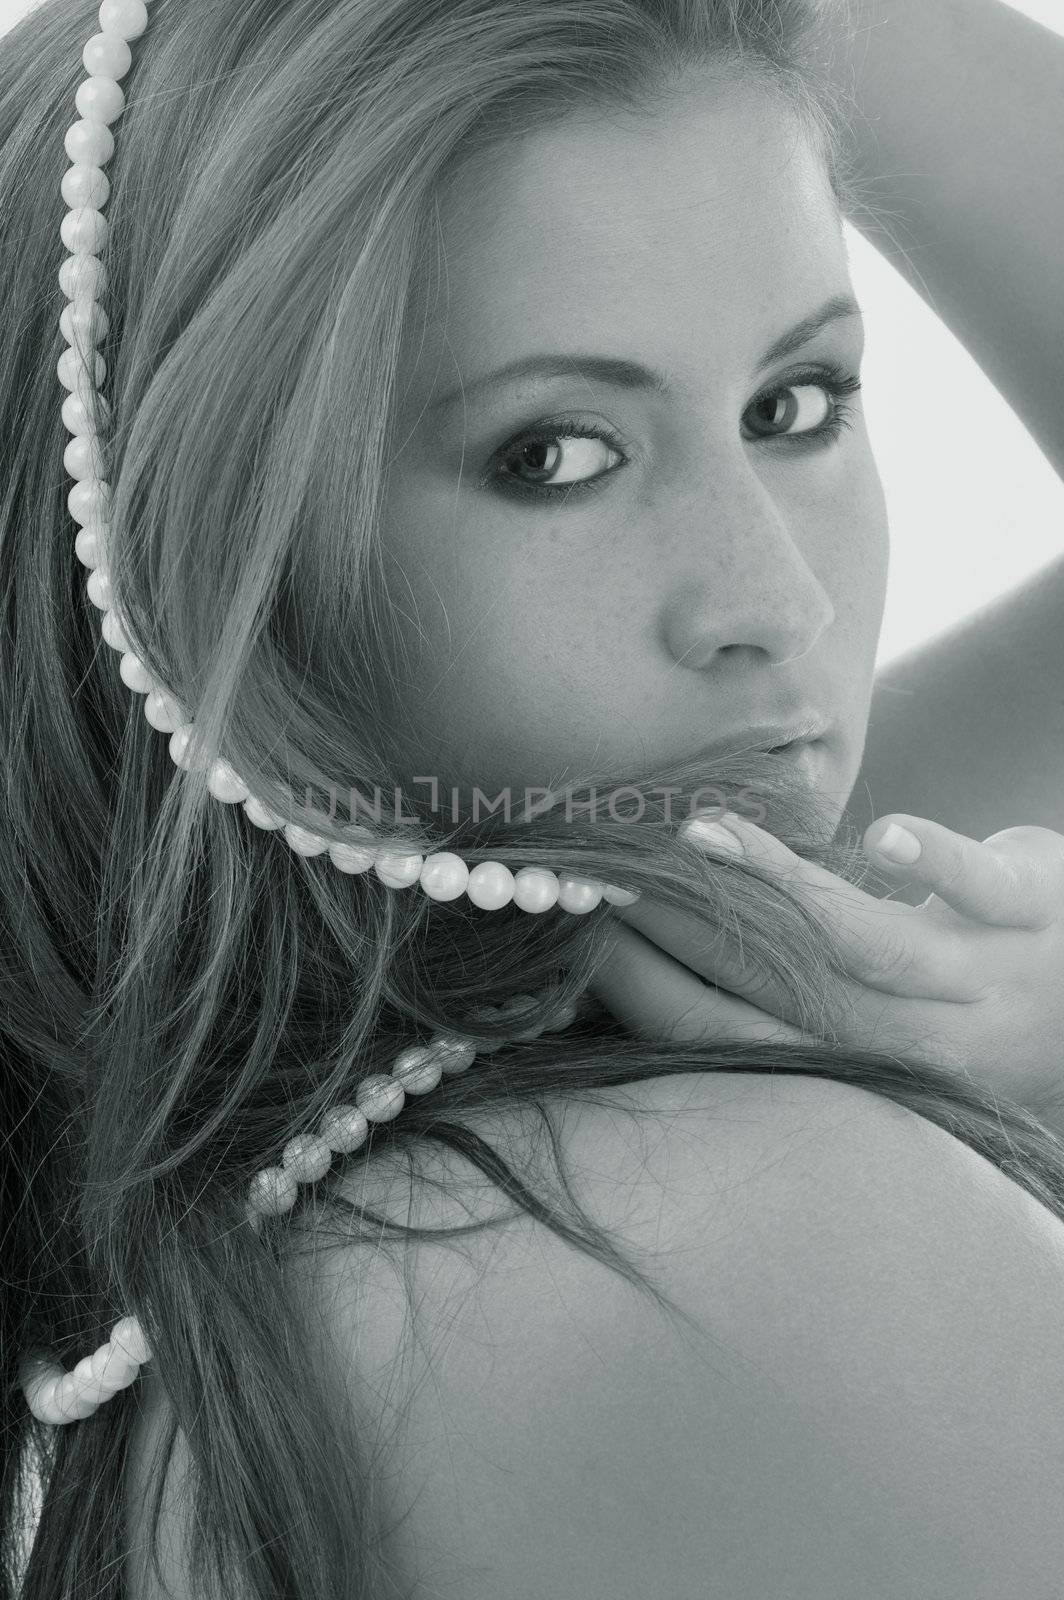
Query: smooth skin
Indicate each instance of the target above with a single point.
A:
(728, 567)
(724, 574)
(959, 135)
(969, 979)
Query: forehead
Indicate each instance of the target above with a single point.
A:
(703, 226)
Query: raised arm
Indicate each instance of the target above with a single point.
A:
(957, 135)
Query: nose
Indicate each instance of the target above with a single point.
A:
(748, 587)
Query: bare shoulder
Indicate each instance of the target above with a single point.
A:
(862, 1394)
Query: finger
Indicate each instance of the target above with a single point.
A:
(1013, 879)
(717, 957)
(657, 998)
(887, 945)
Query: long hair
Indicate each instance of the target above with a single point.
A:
(181, 993)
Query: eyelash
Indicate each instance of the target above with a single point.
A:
(836, 381)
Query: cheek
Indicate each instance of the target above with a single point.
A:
(485, 679)
(874, 544)
(854, 549)
(515, 645)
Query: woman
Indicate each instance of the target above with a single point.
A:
(370, 563)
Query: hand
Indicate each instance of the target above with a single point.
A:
(972, 979)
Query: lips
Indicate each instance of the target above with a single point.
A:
(769, 738)
(783, 738)
(791, 745)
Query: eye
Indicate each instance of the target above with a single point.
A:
(554, 459)
(810, 407)
(557, 459)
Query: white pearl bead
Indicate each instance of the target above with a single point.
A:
(76, 1406)
(417, 1069)
(344, 1128)
(112, 1369)
(307, 1158)
(563, 1018)
(105, 1359)
(77, 417)
(179, 752)
(83, 323)
(128, 1335)
(99, 589)
(535, 889)
(82, 1372)
(452, 1052)
(380, 1097)
(398, 868)
(84, 457)
(488, 1047)
(516, 1008)
(87, 547)
(107, 55)
(261, 815)
(444, 875)
(352, 858)
(85, 1385)
(114, 634)
(163, 711)
(42, 1395)
(73, 374)
(226, 784)
(85, 184)
(578, 895)
(272, 1191)
(100, 99)
(96, 1392)
(128, 18)
(517, 1005)
(491, 885)
(303, 842)
(619, 897)
(85, 233)
(89, 142)
(134, 673)
(84, 280)
(90, 500)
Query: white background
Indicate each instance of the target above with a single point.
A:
(975, 507)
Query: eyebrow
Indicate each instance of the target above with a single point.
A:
(624, 374)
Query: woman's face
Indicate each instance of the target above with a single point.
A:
(711, 558)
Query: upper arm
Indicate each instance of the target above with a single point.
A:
(959, 140)
(876, 1407)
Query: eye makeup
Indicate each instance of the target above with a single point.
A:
(835, 380)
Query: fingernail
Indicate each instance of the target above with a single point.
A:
(702, 831)
(899, 845)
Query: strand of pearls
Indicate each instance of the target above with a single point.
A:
(60, 1397)
(442, 875)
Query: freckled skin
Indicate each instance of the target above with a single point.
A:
(719, 578)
